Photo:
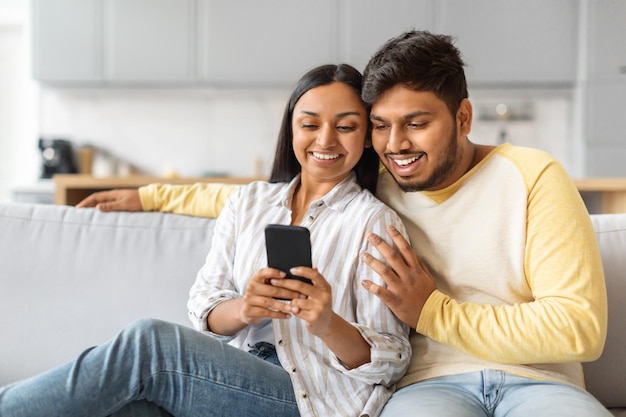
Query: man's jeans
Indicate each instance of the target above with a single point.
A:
(492, 393)
(153, 368)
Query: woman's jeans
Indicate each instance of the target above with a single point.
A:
(153, 368)
(492, 393)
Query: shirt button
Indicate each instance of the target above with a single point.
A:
(320, 204)
(311, 218)
(281, 342)
(302, 394)
(293, 369)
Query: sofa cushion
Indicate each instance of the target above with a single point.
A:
(606, 377)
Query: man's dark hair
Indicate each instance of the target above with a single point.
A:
(286, 166)
(420, 61)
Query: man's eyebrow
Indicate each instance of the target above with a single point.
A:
(408, 116)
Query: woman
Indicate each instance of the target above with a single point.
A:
(339, 349)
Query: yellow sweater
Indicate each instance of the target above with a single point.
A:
(518, 270)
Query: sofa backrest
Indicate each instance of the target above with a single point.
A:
(72, 278)
(606, 377)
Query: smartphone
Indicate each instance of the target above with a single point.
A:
(287, 247)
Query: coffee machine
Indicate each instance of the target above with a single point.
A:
(57, 157)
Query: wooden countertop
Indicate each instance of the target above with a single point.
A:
(600, 184)
(72, 188)
(609, 194)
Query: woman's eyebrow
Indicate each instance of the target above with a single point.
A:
(343, 114)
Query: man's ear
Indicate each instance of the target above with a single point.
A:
(464, 117)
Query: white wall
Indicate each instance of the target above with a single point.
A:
(192, 132)
(18, 101)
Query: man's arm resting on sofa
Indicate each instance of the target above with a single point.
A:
(200, 199)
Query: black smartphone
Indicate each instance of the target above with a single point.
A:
(287, 247)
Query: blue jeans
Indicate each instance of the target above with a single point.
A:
(491, 393)
(153, 368)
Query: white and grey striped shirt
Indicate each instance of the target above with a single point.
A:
(339, 224)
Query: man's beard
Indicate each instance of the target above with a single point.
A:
(449, 161)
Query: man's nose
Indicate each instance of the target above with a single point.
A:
(398, 140)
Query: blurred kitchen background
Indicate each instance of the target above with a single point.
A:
(196, 88)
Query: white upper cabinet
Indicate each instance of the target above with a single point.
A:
(370, 23)
(272, 42)
(607, 40)
(264, 42)
(149, 40)
(66, 48)
(515, 41)
(109, 41)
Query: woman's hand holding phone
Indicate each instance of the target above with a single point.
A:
(314, 303)
(261, 299)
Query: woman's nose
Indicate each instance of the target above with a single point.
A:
(327, 137)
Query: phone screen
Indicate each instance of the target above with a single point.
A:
(287, 247)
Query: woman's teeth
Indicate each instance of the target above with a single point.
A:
(325, 155)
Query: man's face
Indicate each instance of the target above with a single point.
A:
(417, 138)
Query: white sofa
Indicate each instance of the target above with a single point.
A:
(71, 278)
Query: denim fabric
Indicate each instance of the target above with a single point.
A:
(265, 351)
(153, 368)
(491, 393)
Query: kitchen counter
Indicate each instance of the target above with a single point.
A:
(603, 195)
(70, 189)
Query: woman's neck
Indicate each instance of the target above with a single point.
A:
(306, 192)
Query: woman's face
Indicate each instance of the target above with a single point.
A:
(329, 129)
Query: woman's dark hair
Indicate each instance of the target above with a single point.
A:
(286, 166)
(420, 61)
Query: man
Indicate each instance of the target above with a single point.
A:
(503, 284)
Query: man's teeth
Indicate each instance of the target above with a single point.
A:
(326, 155)
(404, 162)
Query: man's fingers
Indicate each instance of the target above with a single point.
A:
(94, 200)
(382, 269)
(393, 258)
(383, 293)
(89, 201)
(404, 247)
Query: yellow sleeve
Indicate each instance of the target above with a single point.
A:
(567, 319)
(200, 199)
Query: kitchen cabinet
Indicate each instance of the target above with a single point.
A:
(269, 42)
(149, 40)
(103, 41)
(515, 42)
(369, 23)
(605, 88)
(607, 40)
(67, 40)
